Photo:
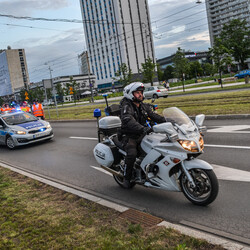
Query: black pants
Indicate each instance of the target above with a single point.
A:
(132, 148)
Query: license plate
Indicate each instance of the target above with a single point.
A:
(37, 135)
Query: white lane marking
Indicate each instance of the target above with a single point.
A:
(222, 173)
(230, 129)
(231, 174)
(226, 146)
(102, 170)
(83, 138)
(206, 145)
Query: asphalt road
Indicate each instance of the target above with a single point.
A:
(71, 161)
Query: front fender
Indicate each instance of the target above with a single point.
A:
(197, 163)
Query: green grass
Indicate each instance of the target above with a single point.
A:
(215, 103)
(37, 216)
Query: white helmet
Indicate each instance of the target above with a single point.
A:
(131, 88)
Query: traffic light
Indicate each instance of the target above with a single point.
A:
(26, 95)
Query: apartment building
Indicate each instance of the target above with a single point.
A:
(220, 12)
(116, 31)
(13, 71)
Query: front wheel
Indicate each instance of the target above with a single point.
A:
(206, 186)
(10, 143)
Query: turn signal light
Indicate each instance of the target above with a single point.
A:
(175, 160)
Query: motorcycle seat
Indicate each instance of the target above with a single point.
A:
(118, 143)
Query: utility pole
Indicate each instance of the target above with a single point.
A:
(46, 98)
(90, 82)
(52, 87)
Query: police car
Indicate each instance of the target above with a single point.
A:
(21, 128)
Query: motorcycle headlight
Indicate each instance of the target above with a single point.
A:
(189, 145)
(19, 132)
(201, 142)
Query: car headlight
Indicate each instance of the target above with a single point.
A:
(48, 126)
(19, 132)
(189, 145)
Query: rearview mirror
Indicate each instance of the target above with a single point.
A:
(199, 119)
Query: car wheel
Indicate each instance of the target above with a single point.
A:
(155, 96)
(10, 142)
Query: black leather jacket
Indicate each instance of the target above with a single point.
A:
(134, 118)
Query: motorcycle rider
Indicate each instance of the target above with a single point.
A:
(134, 117)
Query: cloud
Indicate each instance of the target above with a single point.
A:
(168, 45)
(27, 7)
(60, 51)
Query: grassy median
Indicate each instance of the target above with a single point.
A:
(215, 103)
(34, 215)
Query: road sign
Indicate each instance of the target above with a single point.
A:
(26, 95)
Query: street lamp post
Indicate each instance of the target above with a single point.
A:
(52, 87)
(46, 99)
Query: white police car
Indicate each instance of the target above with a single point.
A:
(21, 128)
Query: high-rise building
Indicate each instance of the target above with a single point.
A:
(13, 71)
(83, 63)
(117, 32)
(220, 12)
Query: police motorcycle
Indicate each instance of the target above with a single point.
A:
(168, 160)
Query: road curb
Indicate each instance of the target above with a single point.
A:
(213, 239)
(208, 117)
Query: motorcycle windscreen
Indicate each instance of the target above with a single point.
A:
(177, 116)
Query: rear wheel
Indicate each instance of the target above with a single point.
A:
(206, 186)
(120, 179)
(10, 142)
(155, 96)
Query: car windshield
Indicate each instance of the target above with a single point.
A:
(19, 118)
(160, 87)
(177, 116)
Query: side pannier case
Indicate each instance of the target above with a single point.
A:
(103, 155)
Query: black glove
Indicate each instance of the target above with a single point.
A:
(147, 130)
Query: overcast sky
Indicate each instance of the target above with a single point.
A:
(174, 23)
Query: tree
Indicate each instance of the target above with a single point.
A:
(148, 71)
(59, 91)
(208, 69)
(235, 36)
(123, 75)
(221, 56)
(168, 72)
(195, 69)
(160, 73)
(181, 65)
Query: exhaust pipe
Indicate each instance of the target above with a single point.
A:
(112, 171)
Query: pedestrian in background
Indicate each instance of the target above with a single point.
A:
(24, 107)
(37, 109)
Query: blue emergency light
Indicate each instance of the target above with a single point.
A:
(97, 113)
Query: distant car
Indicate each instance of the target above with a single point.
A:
(155, 92)
(243, 74)
(46, 103)
(21, 128)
